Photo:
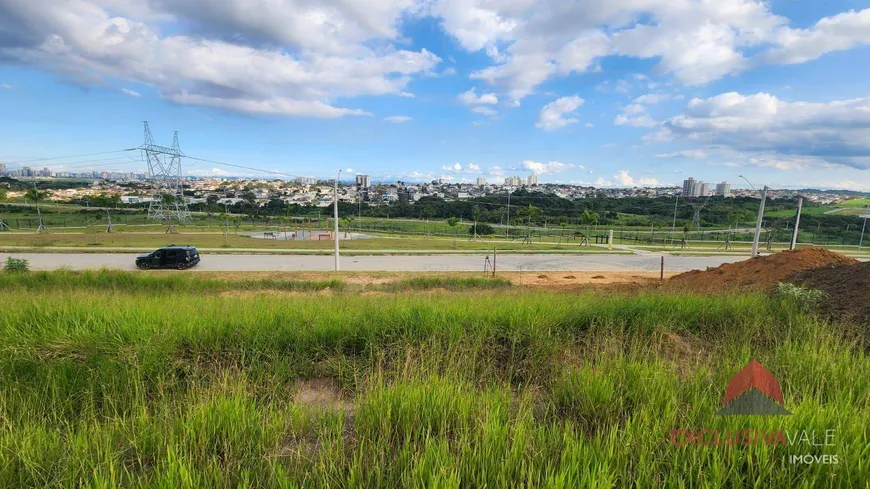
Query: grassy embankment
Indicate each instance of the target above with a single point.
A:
(131, 380)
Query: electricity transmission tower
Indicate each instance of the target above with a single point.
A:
(164, 168)
(696, 219)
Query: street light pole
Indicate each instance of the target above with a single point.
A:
(335, 209)
(760, 217)
(863, 228)
(674, 227)
(797, 224)
(507, 233)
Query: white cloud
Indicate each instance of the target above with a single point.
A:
(406, 94)
(472, 98)
(397, 119)
(697, 154)
(272, 106)
(634, 115)
(285, 58)
(6, 86)
(837, 33)
(771, 132)
(648, 182)
(470, 168)
(214, 172)
(651, 98)
(544, 168)
(590, 125)
(485, 111)
(553, 115)
(624, 179)
(131, 93)
(349, 170)
(532, 41)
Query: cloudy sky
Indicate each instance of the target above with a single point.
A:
(602, 92)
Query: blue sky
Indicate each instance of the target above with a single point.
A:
(605, 93)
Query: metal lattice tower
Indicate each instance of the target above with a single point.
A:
(164, 168)
(696, 219)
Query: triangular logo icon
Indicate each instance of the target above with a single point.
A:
(753, 391)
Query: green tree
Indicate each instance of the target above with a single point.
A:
(33, 195)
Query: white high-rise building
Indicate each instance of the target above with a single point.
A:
(2, 168)
(363, 181)
(533, 179)
(689, 187)
(723, 189)
(481, 181)
(514, 181)
(702, 189)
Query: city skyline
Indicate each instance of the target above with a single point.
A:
(618, 96)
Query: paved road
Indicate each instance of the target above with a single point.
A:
(549, 262)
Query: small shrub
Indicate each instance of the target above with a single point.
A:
(16, 265)
(483, 229)
(802, 298)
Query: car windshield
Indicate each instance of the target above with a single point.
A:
(191, 252)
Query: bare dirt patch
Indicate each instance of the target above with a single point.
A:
(580, 280)
(682, 350)
(246, 294)
(322, 394)
(847, 289)
(759, 273)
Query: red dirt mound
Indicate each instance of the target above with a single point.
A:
(762, 273)
(847, 288)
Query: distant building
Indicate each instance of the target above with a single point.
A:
(363, 181)
(480, 181)
(514, 181)
(3, 168)
(723, 189)
(306, 180)
(688, 187)
(695, 188)
(533, 179)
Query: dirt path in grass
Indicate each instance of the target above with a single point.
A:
(537, 280)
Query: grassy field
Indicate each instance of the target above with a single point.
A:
(856, 203)
(135, 380)
(232, 241)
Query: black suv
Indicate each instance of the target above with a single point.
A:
(172, 256)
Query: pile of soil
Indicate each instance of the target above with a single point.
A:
(847, 288)
(761, 273)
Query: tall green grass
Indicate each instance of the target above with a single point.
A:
(113, 387)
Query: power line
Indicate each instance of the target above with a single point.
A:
(245, 167)
(70, 156)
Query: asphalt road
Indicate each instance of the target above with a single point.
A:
(219, 262)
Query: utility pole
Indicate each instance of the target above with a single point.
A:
(863, 228)
(674, 226)
(108, 221)
(507, 233)
(760, 216)
(226, 224)
(758, 224)
(797, 224)
(335, 209)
